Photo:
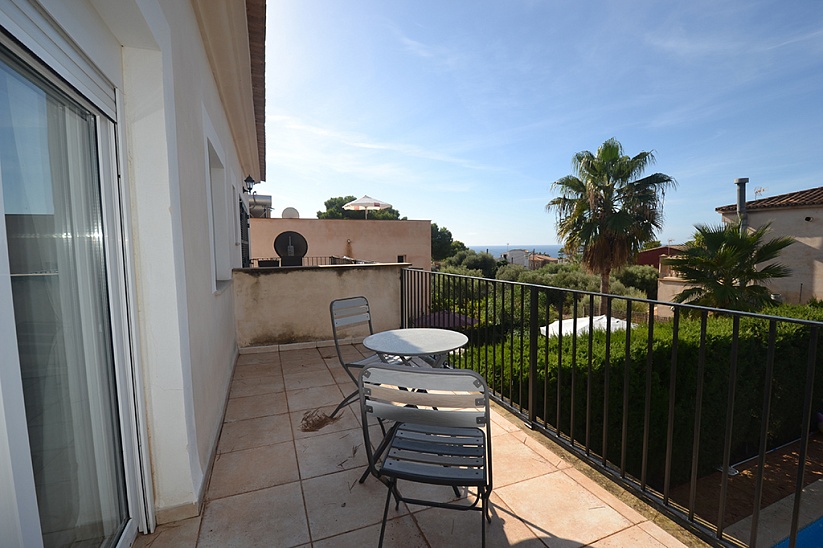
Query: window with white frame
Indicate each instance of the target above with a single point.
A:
(221, 229)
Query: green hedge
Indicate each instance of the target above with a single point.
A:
(506, 369)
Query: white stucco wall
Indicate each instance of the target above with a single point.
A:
(153, 55)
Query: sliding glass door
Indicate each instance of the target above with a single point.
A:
(51, 207)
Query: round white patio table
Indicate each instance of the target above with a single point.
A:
(417, 341)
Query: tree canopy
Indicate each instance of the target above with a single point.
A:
(472, 260)
(606, 209)
(443, 245)
(725, 268)
(334, 210)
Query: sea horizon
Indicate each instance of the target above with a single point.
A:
(497, 250)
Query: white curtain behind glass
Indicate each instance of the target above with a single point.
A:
(52, 212)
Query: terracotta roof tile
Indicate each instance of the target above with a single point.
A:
(801, 198)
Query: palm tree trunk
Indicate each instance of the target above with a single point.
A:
(604, 289)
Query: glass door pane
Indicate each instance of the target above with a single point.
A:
(52, 211)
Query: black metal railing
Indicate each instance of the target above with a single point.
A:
(307, 261)
(671, 401)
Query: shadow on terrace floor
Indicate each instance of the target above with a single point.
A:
(275, 485)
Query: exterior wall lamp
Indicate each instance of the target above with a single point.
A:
(248, 184)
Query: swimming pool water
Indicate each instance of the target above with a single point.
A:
(811, 536)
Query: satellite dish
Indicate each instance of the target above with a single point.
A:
(290, 213)
(291, 247)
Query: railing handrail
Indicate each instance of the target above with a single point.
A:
(711, 310)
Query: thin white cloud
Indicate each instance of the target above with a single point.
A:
(358, 141)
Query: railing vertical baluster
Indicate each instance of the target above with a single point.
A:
(522, 344)
(545, 414)
(764, 431)
(573, 369)
(558, 367)
(626, 376)
(589, 380)
(672, 391)
(511, 350)
(534, 332)
(485, 333)
(698, 412)
(606, 378)
(498, 371)
(804, 436)
(647, 409)
(403, 290)
(727, 441)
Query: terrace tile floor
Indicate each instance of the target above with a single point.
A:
(274, 484)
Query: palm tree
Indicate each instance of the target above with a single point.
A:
(720, 265)
(606, 211)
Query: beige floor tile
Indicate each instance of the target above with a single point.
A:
(310, 398)
(345, 420)
(268, 517)
(298, 357)
(633, 536)
(308, 379)
(337, 503)
(258, 357)
(545, 451)
(401, 532)
(502, 423)
(262, 405)
(253, 469)
(252, 386)
(340, 375)
(329, 453)
(557, 506)
(171, 535)
(456, 529)
(328, 352)
(255, 432)
(586, 482)
(317, 364)
(258, 370)
(660, 535)
(513, 461)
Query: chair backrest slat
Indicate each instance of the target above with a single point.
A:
(434, 397)
(429, 398)
(346, 314)
(428, 379)
(432, 417)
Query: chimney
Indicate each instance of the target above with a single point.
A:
(741, 203)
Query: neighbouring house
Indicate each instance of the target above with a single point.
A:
(539, 260)
(796, 214)
(517, 256)
(799, 215)
(530, 259)
(371, 241)
(128, 128)
(651, 257)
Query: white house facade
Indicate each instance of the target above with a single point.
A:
(127, 128)
(798, 215)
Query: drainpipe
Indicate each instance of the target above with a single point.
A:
(741, 203)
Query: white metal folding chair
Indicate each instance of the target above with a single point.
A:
(353, 317)
(440, 436)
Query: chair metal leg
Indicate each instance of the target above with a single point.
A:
(483, 520)
(385, 514)
(348, 400)
(384, 443)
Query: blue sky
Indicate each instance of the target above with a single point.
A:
(465, 112)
